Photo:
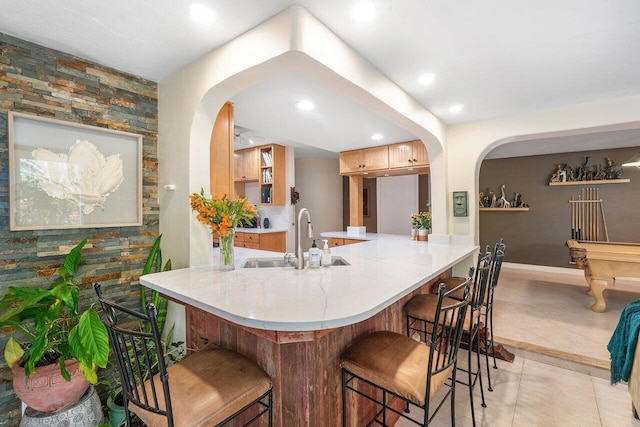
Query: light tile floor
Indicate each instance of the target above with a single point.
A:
(544, 314)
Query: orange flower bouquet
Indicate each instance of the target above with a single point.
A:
(222, 214)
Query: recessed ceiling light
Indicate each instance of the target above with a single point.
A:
(202, 14)
(250, 141)
(363, 11)
(377, 136)
(456, 108)
(427, 79)
(305, 105)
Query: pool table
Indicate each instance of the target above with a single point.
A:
(602, 263)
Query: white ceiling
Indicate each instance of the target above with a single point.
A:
(497, 57)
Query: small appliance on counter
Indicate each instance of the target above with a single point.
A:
(265, 223)
(250, 223)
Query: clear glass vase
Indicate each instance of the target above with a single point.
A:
(226, 251)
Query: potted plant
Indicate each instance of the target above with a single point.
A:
(222, 214)
(423, 221)
(51, 337)
(415, 224)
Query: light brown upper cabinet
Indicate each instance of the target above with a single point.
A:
(367, 159)
(245, 165)
(408, 154)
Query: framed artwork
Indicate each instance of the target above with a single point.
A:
(365, 201)
(68, 175)
(460, 206)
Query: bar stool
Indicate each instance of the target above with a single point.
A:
(400, 367)
(420, 311)
(209, 387)
(496, 266)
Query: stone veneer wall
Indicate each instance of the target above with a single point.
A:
(45, 82)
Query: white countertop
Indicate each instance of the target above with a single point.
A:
(284, 299)
(344, 235)
(260, 230)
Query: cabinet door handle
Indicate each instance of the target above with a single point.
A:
(415, 160)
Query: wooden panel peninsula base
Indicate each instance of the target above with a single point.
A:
(602, 262)
(303, 365)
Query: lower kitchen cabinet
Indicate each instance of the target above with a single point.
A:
(335, 241)
(275, 242)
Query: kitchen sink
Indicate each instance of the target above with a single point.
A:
(280, 262)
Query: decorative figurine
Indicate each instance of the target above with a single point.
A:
(502, 201)
(517, 201)
(582, 170)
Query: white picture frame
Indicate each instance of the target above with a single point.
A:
(68, 175)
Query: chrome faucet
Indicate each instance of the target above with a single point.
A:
(299, 255)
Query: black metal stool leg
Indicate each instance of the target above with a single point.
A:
(469, 376)
(479, 371)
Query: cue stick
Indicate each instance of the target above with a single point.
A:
(594, 213)
(573, 218)
(598, 220)
(591, 219)
(592, 230)
(579, 218)
(604, 221)
(588, 214)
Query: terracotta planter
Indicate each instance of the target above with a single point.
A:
(47, 390)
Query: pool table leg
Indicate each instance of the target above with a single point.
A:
(597, 287)
(587, 276)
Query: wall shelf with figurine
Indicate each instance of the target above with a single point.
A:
(591, 182)
(503, 209)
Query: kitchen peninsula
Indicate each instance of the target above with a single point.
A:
(295, 323)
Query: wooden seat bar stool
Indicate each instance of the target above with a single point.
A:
(487, 312)
(394, 371)
(420, 313)
(207, 388)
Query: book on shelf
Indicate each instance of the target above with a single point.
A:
(266, 195)
(267, 159)
(266, 176)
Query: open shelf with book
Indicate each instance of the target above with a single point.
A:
(272, 175)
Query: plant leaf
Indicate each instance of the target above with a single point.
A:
(151, 259)
(62, 292)
(12, 352)
(161, 304)
(93, 339)
(89, 373)
(35, 352)
(63, 369)
(74, 258)
(10, 316)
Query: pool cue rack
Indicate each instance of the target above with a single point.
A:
(587, 213)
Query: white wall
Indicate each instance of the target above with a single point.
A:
(319, 183)
(397, 200)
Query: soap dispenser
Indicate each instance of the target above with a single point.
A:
(314, 256)
(326, 254)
